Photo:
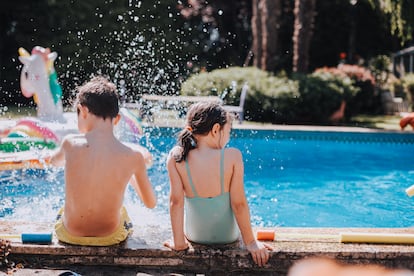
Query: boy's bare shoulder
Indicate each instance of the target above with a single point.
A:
(74, 136)
(131, 147)
(74, 139)
(139, 151)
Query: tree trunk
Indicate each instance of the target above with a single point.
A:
(303, 30)
(257, 34)
(266, 17)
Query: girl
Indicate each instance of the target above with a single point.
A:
(209, 179)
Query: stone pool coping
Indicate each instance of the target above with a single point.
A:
(136, 255)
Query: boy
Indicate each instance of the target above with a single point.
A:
(97, 170)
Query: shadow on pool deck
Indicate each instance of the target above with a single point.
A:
(136, 255)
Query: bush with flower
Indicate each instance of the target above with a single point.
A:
(367, 100)
(304, 99)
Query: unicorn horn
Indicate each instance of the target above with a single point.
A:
(22, 52)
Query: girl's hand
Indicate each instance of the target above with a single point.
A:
(259, 251)
(170, 244)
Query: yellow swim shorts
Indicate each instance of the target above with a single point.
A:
(123, 231)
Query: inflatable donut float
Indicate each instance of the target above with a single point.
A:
(22, 160)
(34, 128)
(28, 134)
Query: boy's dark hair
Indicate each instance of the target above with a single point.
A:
(99, 95)
(201, 118)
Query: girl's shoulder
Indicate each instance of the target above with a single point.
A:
(174, 153)
(232, 150)
(233, 154)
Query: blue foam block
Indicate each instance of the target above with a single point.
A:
(37, 238)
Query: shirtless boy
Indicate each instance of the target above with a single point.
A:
(98, 168)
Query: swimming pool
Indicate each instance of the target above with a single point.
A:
(292, 178)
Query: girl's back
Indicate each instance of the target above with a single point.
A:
(209, 218)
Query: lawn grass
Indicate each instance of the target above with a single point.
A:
(386, 122)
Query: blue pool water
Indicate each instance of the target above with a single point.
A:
(292, 178)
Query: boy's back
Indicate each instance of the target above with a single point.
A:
(97, 172)
(98, 168)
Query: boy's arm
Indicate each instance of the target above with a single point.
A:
(141, 182)
(176, 206)
(57, 158)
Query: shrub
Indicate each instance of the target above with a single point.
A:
(321, 94)
(220, 82)
(275, 99)
(266, 95)
(366, 100)
(379, 67)
(355, 72)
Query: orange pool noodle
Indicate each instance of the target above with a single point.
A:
(266, 235)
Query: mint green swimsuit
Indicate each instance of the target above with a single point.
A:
(210, 220)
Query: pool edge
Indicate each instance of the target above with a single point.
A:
(227, 260)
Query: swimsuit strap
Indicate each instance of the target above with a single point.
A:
(222, 171)
(187, 167)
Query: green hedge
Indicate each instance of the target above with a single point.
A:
(275, 99)
(321, 94)
(365, 100)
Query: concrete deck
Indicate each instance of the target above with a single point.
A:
(137, 256)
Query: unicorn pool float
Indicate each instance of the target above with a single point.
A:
(22, 143)
(38, 79)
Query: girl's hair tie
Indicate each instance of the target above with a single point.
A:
(190, 129)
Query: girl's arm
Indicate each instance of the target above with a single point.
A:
(176, 206)
(241, 210)
(238, 199)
